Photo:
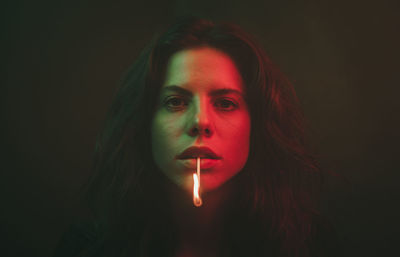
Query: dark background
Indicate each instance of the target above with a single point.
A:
(62, 62)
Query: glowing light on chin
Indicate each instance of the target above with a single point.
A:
(196, 186)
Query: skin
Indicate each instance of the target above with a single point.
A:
(201, 103)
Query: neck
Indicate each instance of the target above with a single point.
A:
(199, 228)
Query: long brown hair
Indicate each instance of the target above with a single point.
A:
(280, 182)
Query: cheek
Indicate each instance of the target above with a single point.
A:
(159, 137)
(239, 141)
(242, 129)
(164, 134)
(239, 127)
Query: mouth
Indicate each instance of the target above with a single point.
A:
(206, 164)
(195, 152)
(208, 158)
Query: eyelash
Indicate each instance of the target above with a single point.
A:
(233, 104)
(169, 100)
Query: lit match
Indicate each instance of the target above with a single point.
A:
(196, 186)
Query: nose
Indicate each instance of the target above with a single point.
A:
(201, 121)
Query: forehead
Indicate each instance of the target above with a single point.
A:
(202, 67)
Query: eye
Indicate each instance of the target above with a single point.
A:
(226, 104)
(175, 103)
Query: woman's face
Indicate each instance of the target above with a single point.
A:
(202, 113)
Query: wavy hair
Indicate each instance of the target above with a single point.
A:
(280, 182)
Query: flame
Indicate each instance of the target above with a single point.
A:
(196, 186)
(196, 197)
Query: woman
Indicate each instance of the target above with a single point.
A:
(203, 90)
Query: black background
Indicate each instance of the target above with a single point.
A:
(62, 61)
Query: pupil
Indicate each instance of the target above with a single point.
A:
(225, 104)
(176, 101)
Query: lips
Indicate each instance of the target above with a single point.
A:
(202, 152)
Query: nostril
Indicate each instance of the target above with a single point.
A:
(200, 131)
(195, 130)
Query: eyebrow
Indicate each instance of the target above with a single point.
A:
(216, 92)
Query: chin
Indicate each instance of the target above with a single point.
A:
(209, 184)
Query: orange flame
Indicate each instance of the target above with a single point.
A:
(196, 186)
